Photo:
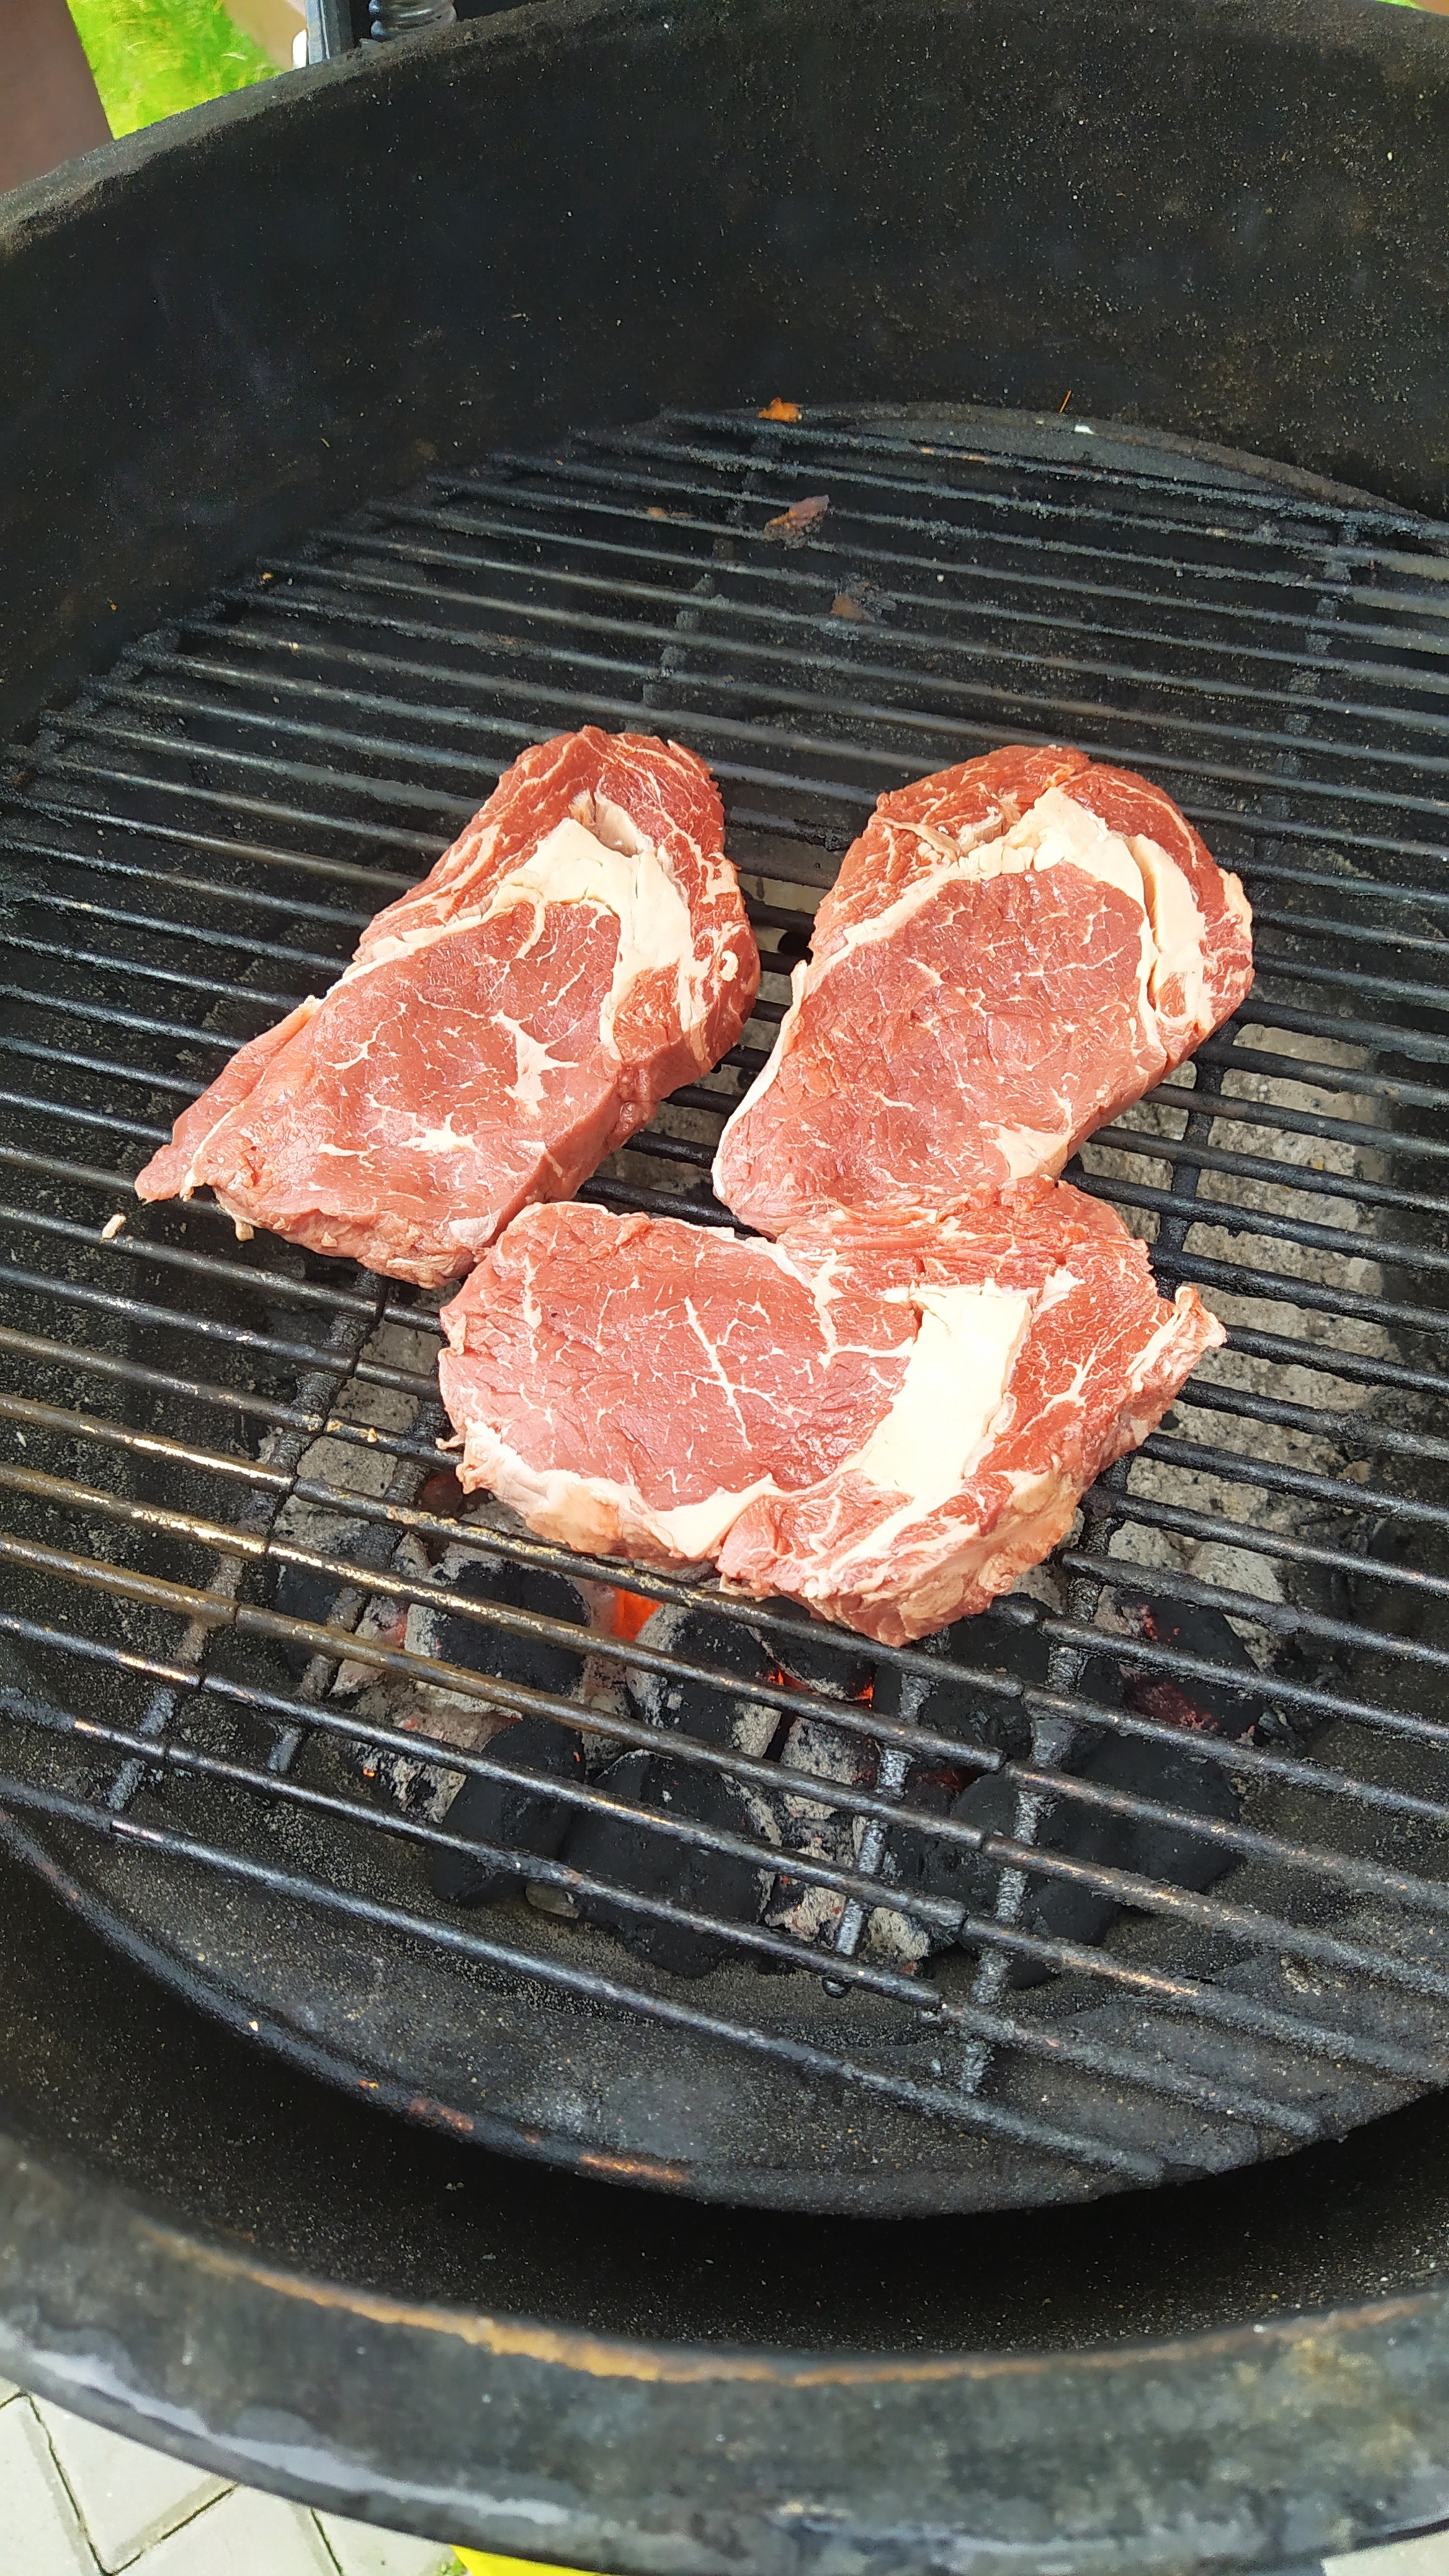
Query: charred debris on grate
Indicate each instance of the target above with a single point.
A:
(1227, 1690)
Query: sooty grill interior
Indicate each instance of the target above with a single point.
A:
(1141, 1875)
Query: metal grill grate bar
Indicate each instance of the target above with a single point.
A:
(937, 2102)
(576, 487)
(1153, 469)
(912, 1739)
(723, 639)
(1045, 716)
(369, 553)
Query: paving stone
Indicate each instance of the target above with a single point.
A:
(42, 2536)
(127, 2496)
(1428, 2556)
(244, 2535)
(362, 2550)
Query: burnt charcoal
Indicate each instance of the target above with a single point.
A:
(1061, 1909)
(301, 1594)
(813, 1826)
(1053, 1907)
(733, 1646)
(1057, 1909)
(1196, 1707)
(506, 1814)
(659, 1865)
(1174, 1779)
(717, 1715)
(914, 1858)
(825, 1660)
(990, 1643)
(700, 1637)
(918, 1859)
(504, 1653)
(429, 1707)
(829, 1754)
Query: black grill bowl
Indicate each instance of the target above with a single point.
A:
(1218, 228)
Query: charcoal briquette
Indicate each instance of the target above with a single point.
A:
(661, 1865)
(509, 1815)
(299, 1593)
(507, 1654)
(1194, 1705)
(827, 1660)
(917, 1859)
(1174, 1777)
(991, 1644)
(713, 1714)
(1171, 1854)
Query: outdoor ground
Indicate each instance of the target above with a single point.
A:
(75, 2501)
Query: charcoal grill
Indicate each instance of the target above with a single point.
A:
(225, 1511)
(197, 1429)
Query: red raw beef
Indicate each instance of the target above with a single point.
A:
(580, 951)
(1014, 951)
(887, 1418)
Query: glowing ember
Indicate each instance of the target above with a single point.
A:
(778, 1678)
(628, 1612)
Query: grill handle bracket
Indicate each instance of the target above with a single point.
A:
(329, 30)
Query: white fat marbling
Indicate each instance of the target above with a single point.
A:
(949, 1403)
(606, 861)
(1178, 929)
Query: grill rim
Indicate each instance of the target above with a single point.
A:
(389, 2381)
(1176, 1206)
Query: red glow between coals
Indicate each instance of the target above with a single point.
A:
(778, 1679)
(629, 1612)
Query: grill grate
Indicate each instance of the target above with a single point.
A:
(216, 1458)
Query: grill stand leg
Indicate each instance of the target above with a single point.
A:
(329, 30)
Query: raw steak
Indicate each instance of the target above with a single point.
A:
(579, 952)
(887, 1418)
(1015, 950)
